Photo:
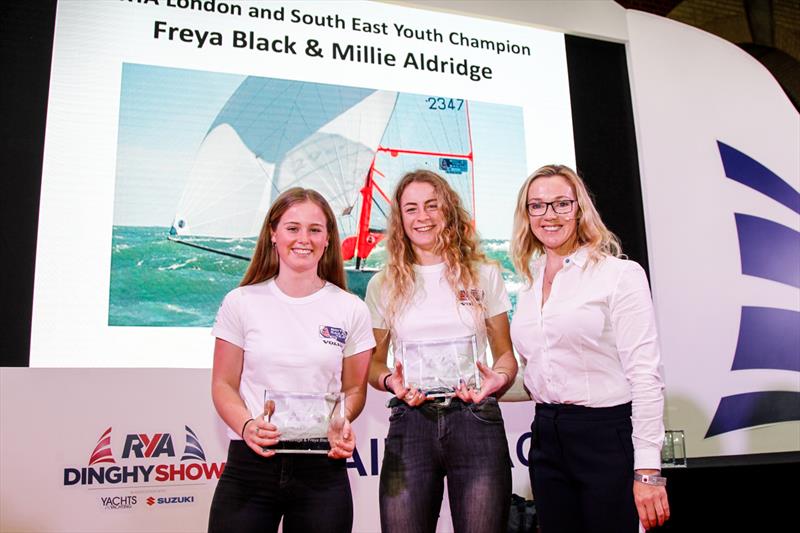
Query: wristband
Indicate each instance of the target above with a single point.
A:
(650, 479)
(244, 426)
(385, 386)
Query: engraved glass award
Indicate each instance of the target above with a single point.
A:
(436, 367)
(673, 452)
(304, 419)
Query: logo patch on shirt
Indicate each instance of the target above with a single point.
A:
(332, 335)
(463, 299)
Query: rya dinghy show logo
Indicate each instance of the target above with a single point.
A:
(333, 335)
(769, 337)
(144, 458)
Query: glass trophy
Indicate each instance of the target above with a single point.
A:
(304, 419)
(436, 367)
(673, 452)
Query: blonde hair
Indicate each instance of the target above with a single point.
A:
(265, 263)
(591, 231)
(457, 243)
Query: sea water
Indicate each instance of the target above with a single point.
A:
(158, 282)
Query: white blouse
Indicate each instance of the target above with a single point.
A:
(594, 343)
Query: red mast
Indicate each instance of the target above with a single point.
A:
(361, 244)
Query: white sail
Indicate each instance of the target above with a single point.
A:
(274, 134)
(422, 134)
(336, 159)
(229, 207)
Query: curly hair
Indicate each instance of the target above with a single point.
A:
(265, 263)
(457, 243)
(591, 231)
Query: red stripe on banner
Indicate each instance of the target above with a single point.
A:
(102, 449)
(151, 445)
(101, 456)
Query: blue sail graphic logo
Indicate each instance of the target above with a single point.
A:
(769, 338)
(193, 449)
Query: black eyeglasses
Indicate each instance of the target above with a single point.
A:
(560, 207)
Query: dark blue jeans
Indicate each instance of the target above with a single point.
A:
(465, 443)
(581, 468)
(310, 493)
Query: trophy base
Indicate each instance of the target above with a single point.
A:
(440, 392)
(304, 446)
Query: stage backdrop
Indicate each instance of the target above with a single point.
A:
(123, 449)
(718, 144)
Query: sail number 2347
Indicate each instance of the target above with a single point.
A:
(443, 104)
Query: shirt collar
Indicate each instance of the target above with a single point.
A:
(579, 257)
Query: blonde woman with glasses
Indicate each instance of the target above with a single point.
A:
(585, 326)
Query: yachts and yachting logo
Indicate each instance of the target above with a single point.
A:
(113, 503)
(769, 337)
(332, 335)
(145, 458)
(168, 500)
(475, 294)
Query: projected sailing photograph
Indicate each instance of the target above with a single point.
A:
(202, 155)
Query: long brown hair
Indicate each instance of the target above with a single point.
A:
(457, 243)
(265, 263)
(590, 229)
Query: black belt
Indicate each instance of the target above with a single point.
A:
(438, 401)
(553, 410)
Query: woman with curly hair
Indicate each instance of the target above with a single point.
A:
(438, 285)
(585, 326)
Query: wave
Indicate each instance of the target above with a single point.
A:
(155, 282)
(176, 266)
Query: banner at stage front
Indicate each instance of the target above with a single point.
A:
(141, 450)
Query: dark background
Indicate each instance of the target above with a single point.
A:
(26, 44)
(713, 494)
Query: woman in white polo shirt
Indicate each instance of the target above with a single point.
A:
(585, 326)
(289, 326)
(438, 285)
